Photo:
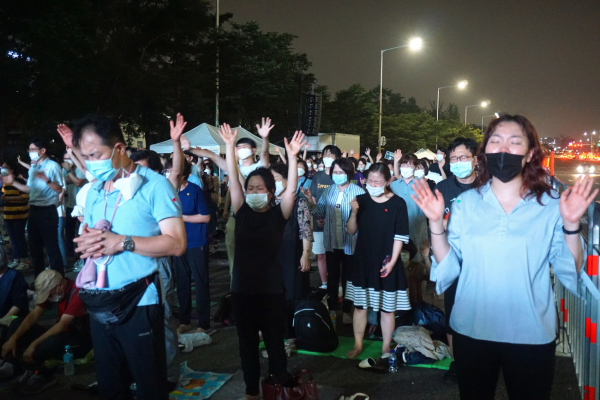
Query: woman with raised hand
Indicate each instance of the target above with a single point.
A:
(258, 298)
(502, 237)
(377, 278)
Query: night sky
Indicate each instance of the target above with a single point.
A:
(537, 58)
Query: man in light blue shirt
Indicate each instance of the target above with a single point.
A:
(44, 184)
(126, 311)
(403, 187)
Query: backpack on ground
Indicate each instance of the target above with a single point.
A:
(223, 313)
(313, 326)
(432, 318)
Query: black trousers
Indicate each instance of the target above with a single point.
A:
(70, 226)
(51, 348)
(265, 313)
(528, 370)
(338, 267)
(16, 233)
(132, 351)
(192, 264)
(43, 232)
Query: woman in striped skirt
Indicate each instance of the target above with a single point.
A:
(377, 280)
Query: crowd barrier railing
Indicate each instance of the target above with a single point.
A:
(579, 315)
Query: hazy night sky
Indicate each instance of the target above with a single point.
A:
(537, 58)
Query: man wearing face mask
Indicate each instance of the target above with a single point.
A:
(403, 187)
(29, 344)
(44, 185)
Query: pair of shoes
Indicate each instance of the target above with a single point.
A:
(32, 383)
(13, 264)
(347, 319)
(451, 375)
(22, 266)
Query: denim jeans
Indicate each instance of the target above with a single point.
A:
(61, 239)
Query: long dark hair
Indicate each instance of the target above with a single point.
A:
(535, 182)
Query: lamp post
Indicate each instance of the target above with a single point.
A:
(414, 44)
(488, 116)
(483, 104)
(461, 85)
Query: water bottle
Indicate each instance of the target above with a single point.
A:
(393, 362)
(68, 360)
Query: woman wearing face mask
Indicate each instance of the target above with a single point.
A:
(334, 206)
(258, 298)
(310, 169)
(303, 179)
(295, 251)
(321, 166)
(422, 170)
(377, 279)
(360, 171)
(501, 239)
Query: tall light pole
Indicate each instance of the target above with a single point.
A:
(488, 116)
(217, 79)
(461, 85)
(482, 104)
(414, 44)
(593, 147)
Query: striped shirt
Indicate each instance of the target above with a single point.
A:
(326, 207)
(18, 208)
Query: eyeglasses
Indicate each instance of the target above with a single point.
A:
(461, 158)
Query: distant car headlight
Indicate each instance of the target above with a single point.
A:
(592, 169)
(580, 169)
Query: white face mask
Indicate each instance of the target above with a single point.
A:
(439, 157)
(419, 173)
(405, 257)
(301, 171)
(244, 153)
(129, 185)
(257, 201)
(361, 169)
(279, 187)
(375, 191)
(407, 172)
(391, 172)
(321, 168)
(69, 162)
(207, 171)
(327, 161)
(309, 164)
(89, 176)
(34, 156)
(167, 174)
(368, 165)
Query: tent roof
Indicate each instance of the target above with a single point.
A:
(206, 137)
(425, 153)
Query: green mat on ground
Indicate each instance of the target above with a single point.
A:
(371, 348)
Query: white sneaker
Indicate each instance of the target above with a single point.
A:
(13, 264)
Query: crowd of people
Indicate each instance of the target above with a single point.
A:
(479, 220)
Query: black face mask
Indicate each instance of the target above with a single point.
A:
(504, 166)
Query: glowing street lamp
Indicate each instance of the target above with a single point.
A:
(414, 44)
(482, 104)
(461, 85)
(488, 116)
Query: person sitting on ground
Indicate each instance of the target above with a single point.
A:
(13, 294)
(29, 344)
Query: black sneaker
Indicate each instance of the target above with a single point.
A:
(450, 375)
(36, 383)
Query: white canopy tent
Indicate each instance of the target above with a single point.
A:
(206, 137)
(424, 153)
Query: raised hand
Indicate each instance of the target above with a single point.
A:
(185, 142)
(177, 127)
(66, 134)
(378, 158)
(397, 155)
(368, 151)
(293, 146)
(351, 153)
(306, 192)
(265, 128)
(575, 201)
(431, 204)
(228, 135)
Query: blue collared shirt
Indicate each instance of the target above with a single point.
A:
(417, 221)
(504, 292)
(154, 201)
(40, 194)
(326, 208)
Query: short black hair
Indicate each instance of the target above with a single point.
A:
(442, 149)
(187, 167)
(280, 168)
(425, 164)
(469, 143)
(39, 142)
(266, 176)
(151, 156)
(209, 164)
(301, 161)
(381, 168)
(246, 140)
(190, 154)
(345, 165)
(108, 129)
(333, 150)
(409, 158)
(363, 160)
(354, 162)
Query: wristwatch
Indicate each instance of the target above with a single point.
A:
(128, 244)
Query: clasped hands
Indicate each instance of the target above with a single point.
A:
(97, 243)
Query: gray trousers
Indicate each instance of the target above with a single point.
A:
(165, 270)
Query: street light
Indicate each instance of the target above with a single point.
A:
(482, 104)
(414, 44)
(461, 85)
(488, 116)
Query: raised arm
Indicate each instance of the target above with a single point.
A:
(397, 157)
(235, 187)
(10, 180)
(215, 158)
(305, 150)
(28, 166)
(432, 205)
(368, 154)
(263, 130)
(292, 148)
(177, 128)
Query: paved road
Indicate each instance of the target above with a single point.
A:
(566, 171)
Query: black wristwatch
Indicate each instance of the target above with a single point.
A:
(128, 244)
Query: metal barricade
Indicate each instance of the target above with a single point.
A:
(579, 315)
